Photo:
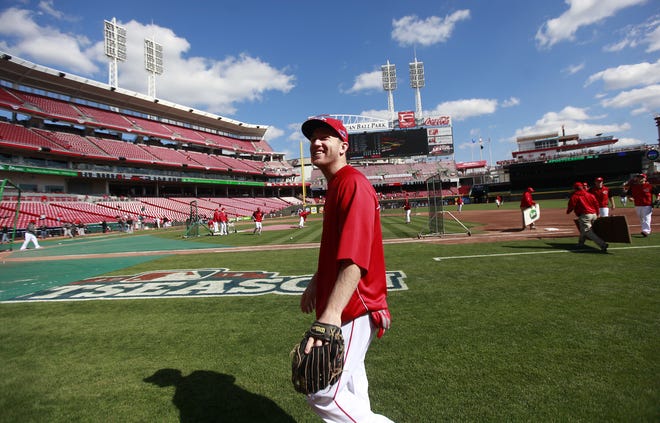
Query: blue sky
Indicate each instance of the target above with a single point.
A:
(500, 69)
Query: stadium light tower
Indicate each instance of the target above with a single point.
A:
(115, 48)
(389, 85)
(417, 82)
(153, 63)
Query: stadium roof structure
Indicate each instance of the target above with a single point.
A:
(25, 73)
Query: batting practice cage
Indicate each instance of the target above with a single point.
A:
(194, 222)
(11, 194)
(441, 222)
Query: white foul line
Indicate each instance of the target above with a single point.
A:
(537, 252)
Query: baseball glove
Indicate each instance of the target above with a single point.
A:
(323, 365)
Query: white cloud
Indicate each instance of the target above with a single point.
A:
(580, 13)
(367, 82)
(643, 100)
(626, 76)
(573, 69)
(653, 37)
(411, 30)
(575, 120)
(647, 32)
(379, 114)
(510, 102)
(467, 108)
(44, 44)
(213, 85)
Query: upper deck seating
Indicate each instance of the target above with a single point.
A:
(126, 150)
(75, 144)
(17, 135)
(150, 127)
(171, 156)
(9, 99)
(52, 107)
(106, 118)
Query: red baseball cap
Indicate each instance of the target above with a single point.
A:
(599, 179)
(643, 175)
(530, 189)
(315, 122)
(578, 186)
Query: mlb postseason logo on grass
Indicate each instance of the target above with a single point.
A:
(186, 283)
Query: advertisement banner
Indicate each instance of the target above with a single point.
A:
(407, 119)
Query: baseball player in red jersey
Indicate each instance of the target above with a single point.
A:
(216, 221)
(223, 221)
(585, 207)
(525, 202)
(408, 209)
(642, 193)
(349, 288)
(258, 217)
(303, 217)
(602, 194)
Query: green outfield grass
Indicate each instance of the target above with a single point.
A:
(516, 331)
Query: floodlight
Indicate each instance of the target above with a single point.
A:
(389, 85)
(115, 48)
(389, 76)
(416, 74)
(417, 82)
(153, 63)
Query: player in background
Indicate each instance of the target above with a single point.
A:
(303, 218)
(602, 194)
(349, 288)
(216, 221)
(258, 217)
(585, 206)
(224, 219)
(526, 202)
(498, 201)
(642, 193)
(459, 203)
(31, 236)
(407, 209)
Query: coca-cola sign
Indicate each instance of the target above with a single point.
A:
(437, 121)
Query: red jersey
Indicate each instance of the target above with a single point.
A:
(216, 216)
(526, 201)
(582, 202)
(352, 231)
(642, 194)
(258, 216)
(602, 195)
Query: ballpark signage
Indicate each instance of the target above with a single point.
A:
(186, 283)
(367, 126)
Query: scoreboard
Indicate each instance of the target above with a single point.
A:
(430, 136)
(395, 143)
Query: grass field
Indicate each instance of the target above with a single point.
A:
(514, 331)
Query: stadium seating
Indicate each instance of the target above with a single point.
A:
(126, 150)
(49, 107)
(9, 99)
(19, 136)
(105, 118)
(74, 144)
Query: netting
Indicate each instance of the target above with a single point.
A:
(194, 222)
(9, 218)
(441, 221)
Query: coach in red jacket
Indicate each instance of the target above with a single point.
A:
(585, 207)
